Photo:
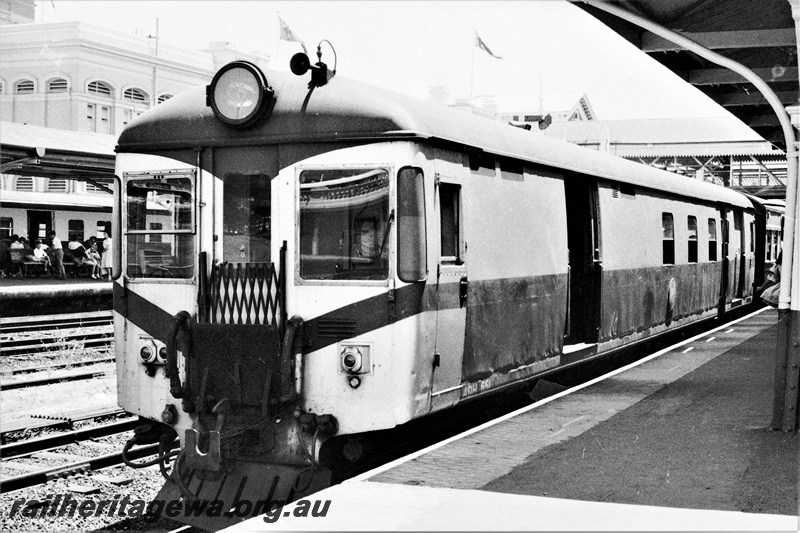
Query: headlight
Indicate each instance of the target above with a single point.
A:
(355, 358)
(239, 93)
(147, 354)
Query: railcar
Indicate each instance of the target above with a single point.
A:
(33, 214)
(773, 239)
(300, 261)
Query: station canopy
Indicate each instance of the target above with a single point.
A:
(759, 34)
(47, 152)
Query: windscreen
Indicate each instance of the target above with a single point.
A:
(344, 224)
(160, 225)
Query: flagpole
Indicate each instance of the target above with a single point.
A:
(277, 37)
(472, 65)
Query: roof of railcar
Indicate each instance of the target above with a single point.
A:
(347, 110)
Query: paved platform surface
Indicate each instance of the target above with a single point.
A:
(678, 442)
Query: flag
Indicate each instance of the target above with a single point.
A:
(480, 44)
(288, 35)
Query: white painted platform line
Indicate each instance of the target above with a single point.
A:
(367, 475)
(366, 506)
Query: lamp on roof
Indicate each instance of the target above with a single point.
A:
(239, 94)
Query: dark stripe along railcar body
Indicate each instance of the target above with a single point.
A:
(431, 257)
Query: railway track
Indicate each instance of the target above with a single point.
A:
(60, 366)
(24, 336)
(53, 462)
(61, 321)
(59, 421)
(51, 379)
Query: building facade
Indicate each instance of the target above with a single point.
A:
(80, 77)
(76, 77)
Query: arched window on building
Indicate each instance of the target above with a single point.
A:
(56, 185)
(164, 97)
(24, 87)
(135, 95)
(57, 85)
(24, 183)
(99, 87)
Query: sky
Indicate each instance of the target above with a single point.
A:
(547, 47)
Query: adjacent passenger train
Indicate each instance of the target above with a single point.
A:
(300, 261)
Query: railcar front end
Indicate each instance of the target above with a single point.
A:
(271, 296)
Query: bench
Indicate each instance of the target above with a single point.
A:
(21, 262)
(72, 268)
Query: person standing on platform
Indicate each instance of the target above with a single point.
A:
(105, 259)
(58, 255)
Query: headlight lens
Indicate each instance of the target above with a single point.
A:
(239, 93)
(355, 358)
(146, 354)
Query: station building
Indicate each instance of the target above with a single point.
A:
(67, 89)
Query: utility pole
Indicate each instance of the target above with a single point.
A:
(154, 99)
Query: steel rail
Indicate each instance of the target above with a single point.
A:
(64, 421)
(90, 464)
(23, 327)
(38, 382)
(52, 344)
(61, 366)
(50, 442)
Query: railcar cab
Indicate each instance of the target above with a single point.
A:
(245, 248)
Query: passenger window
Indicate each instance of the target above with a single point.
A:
(712, 239)
(752, 237)
(449, 212)
(668, 236)
(692, 224)
(411, 243)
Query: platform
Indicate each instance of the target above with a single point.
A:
(33, 296)
(677, 441)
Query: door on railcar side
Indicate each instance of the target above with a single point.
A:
(725, 282)
(39, 224)
(739, 260)
(451, 295)
(583, 239)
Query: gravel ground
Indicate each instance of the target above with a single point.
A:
(18, 511)
(139, 485)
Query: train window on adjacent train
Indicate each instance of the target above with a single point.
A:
(668, 237)
(344, 224)
(6, 227)
(75, 230)
(449, 214)
(246, 224)
(411, 242)
(692, 243)
(712, 239)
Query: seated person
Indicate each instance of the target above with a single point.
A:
(39, 254)
(93, 252)
(81, 257)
